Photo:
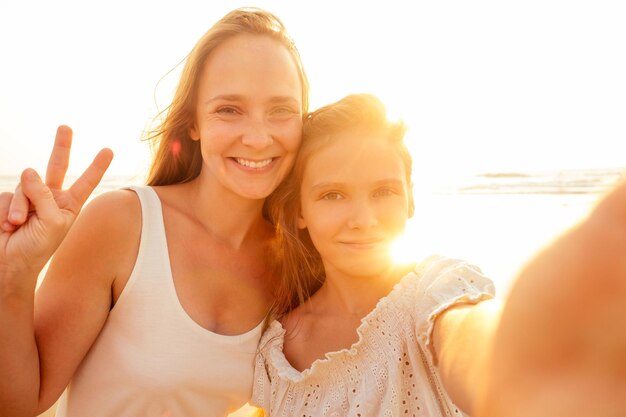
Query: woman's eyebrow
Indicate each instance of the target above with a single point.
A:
(224, 97)
(284, 99)
(239, 97)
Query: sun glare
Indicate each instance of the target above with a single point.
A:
(403, 249)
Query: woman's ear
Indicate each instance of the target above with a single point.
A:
(193, 133)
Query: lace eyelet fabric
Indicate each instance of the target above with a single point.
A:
(390, 370)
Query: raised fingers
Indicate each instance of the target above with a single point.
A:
(87, 182)
(59, 158)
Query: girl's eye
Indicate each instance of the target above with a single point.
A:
(332, 196)
(384, 192)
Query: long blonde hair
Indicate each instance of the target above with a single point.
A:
(299, 266)
(178, 158)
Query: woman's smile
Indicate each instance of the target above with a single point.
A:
(255, 165)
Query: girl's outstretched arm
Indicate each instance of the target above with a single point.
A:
(33, 222)
(560, 348)
(557, 344)
(462, 340)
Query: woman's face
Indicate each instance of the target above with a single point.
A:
(355, 203)
(248, 115)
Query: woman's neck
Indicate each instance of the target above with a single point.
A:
(227, 216)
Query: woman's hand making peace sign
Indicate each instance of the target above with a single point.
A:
(35, 219)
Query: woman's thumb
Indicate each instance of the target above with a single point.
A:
(39, 194)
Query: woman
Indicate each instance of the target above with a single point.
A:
(154, 302)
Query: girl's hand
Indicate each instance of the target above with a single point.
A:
(560, 348)
(35, 219)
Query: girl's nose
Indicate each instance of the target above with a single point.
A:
(362, 216)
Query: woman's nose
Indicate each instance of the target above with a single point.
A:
(257, 134)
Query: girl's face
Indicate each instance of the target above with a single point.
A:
(354, 203)
(248, 115)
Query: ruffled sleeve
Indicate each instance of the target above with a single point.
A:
(443, 283)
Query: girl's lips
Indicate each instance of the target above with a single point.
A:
(363, 244)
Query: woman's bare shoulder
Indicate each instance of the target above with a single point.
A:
(103, 241)
(114, 207)
(109, 217)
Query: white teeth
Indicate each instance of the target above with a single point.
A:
(254, 164)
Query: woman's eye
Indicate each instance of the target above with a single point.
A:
(283, 112)
(226, 110)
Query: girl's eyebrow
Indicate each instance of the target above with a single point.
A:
(390, 181)
(326, 184)
(335, 184)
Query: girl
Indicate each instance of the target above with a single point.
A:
(378, 339)
(153, 304)
(362, 343)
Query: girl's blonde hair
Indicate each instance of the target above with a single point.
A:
(300, 270)
(178, 158)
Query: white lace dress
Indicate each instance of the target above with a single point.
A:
(389, 371)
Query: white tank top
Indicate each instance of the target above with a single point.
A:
(151, 359)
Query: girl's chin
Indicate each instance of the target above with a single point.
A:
(370, 269)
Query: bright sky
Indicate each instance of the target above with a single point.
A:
(483, 85)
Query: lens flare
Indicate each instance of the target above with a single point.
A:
(175, 148)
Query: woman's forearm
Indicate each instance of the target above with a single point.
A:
(19, 359)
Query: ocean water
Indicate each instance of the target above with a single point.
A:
(496, 220)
